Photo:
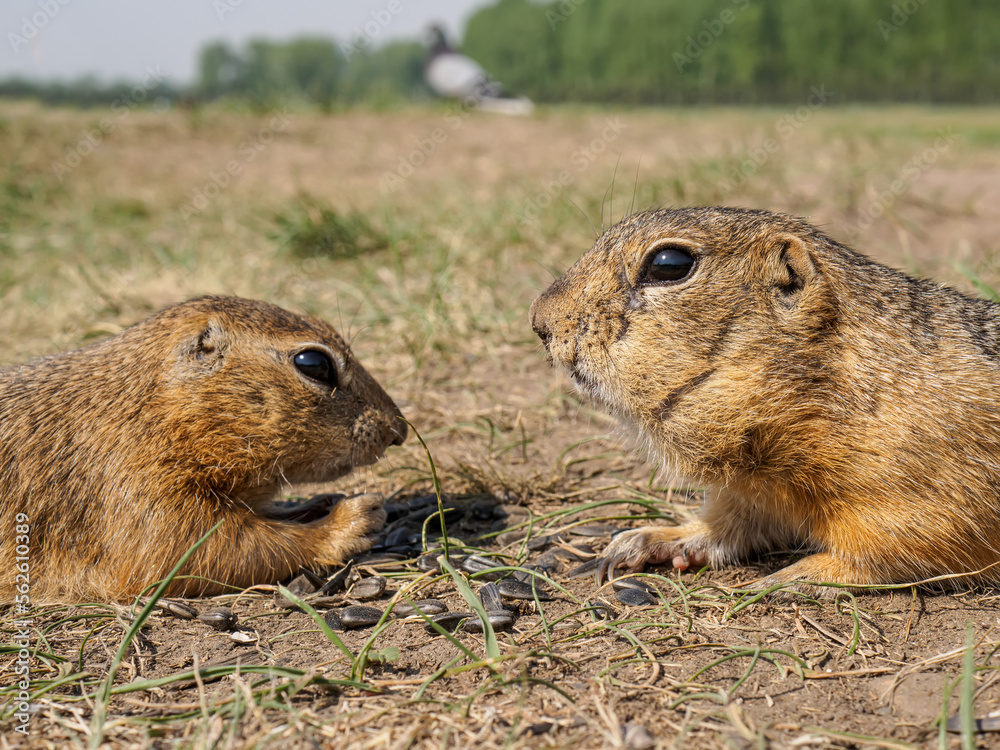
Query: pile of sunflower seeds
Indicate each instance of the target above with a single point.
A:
(348, 598)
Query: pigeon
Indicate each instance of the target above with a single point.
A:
(452, 75)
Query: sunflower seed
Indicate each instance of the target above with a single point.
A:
(283, 602)
(427, 606)
(511, 589)
(448, 620)
(499, 621)
(489, 595)
(549, 562)
(354, 616)
(244, 636)
(394, 511)
(368, 588)
(450, 512)
(533, 573)
(302, 585)
(635, 597)
(178, 609)
(541, 542)
(421, 501)
(429, 561)
(406, 551)
(633, 583)
(483, 509)
(381, 560)
(510, 537)
(338, 580)
(220, 618)
(332, 619)
(476, 564)
(542, 727)
(397, 537)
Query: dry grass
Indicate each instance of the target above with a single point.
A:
(432, 281)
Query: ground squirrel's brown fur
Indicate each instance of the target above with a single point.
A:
(124, 453)
(824, 400)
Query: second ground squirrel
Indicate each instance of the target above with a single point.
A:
(116, 458)
(824, 401)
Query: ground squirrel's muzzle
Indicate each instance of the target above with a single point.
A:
(539, 324)
(555, 327)
(399, 430)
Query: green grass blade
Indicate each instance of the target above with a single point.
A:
(101, 707)
(320, 621)
(437, 494)
(966, 705)
(489, 637)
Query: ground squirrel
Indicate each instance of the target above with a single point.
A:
(124, 453)
(823, 400)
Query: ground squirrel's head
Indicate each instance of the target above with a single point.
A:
(256, 396)
(697, 326)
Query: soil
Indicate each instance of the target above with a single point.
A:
(699, 668)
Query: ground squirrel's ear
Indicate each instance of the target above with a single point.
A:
(794, 269)
(209, 346)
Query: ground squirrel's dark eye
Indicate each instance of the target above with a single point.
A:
(316, 365)
(668, 264)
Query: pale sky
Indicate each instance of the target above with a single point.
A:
(119, 39)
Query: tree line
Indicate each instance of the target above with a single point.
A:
(741, 51)
(313, 70)
(642, 52)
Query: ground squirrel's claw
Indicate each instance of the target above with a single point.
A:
(606, 570)
(635, 549)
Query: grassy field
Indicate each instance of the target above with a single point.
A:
(424, 235)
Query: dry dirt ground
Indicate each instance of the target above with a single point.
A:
(469, 217)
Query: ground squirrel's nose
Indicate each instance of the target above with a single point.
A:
(538, 322)
(399, 430)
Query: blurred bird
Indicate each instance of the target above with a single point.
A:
(452, 75)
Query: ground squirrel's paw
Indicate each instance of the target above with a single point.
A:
(790, 588)
(804, 577)
(633, 550)
(352, 525)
